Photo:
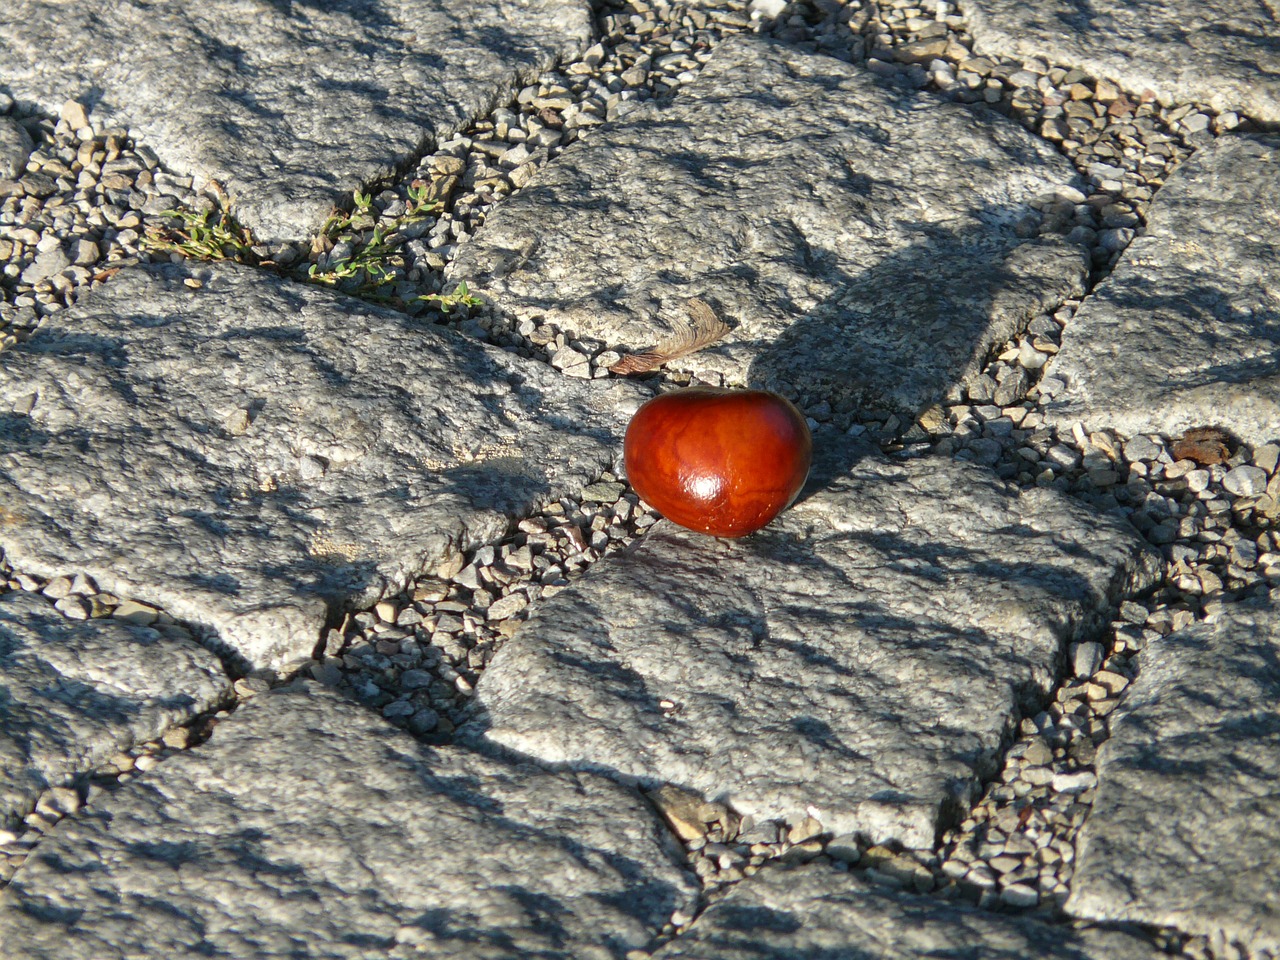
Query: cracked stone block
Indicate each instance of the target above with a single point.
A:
(1186, 330)
(15, 148)
(863, 241)
(1185, 830)
(1224, 53)
(288, 106)
(72, 693)
(815, 913)
(248, 453)
(860, 660)
(308, 827)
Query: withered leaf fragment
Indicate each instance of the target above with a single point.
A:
(1204, 445)
(703, 329)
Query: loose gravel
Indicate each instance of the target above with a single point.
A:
(78, 598)
(416, 657)
(79, 209)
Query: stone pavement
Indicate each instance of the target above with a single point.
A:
(329, 626)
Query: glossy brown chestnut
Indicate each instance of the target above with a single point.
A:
(723, 462)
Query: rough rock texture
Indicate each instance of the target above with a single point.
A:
(1186, 331)
(15, 148)
(289, 105)
(863, 655)
(1185, 830)
(248, 452)
(74, 693)
(1224, 53)
(860, 238)
(814, 913)
(310, 828)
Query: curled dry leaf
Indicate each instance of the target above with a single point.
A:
(215, 189)
(702, 329)
(1204, 445)
(322, 243)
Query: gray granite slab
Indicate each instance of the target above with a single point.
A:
(288, 105)
(308, 827)
(72, 693)
(1224, 53)
(861, 239)
(1186, 330)
(1185, 830)
(15, 148)
(815, 913)
(860, 659)
(248, 453)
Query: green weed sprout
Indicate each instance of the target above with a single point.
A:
(446, 302)
(364, 272)
(204, 235)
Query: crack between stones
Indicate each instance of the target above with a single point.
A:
(72, 796)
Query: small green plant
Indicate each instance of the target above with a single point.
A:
(366, 270)
(446, 302)
(419, 207)
(339, 221)
(212, 234)
(363, 270)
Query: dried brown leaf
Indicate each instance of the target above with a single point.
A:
(1205, 445)
(322, 242)
(216, 189)
(702, 329)
(637, 363)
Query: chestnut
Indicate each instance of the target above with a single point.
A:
(719, 461)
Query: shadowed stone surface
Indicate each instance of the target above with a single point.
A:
(309, 828)
(15, 147)
(72, 693)
(1185, 830)
(864, 654)
(860, 238)
(1224, 53)
(1186, 331)
(288, 105)
(814, 913)
(249, 452)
